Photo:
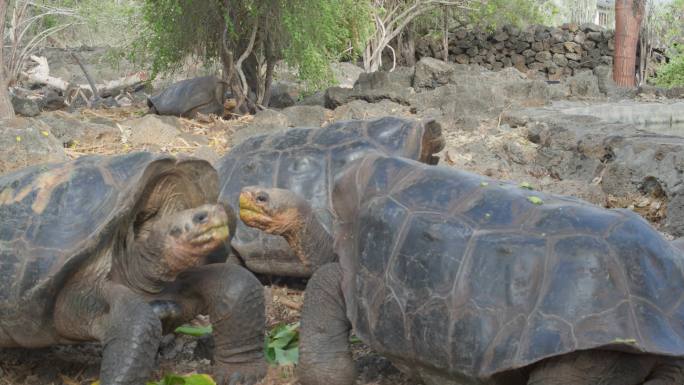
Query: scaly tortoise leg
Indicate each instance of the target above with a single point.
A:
(121, 320)
(325, 358)
(234, 300)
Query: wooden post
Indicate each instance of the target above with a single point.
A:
(628, 17)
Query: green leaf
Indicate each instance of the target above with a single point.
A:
(526, 185)
(195, 331)
(281, 345)
(535, 200)
(192, 379)
(199, 379)
(287, 357)
(355, 340)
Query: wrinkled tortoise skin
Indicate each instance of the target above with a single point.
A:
(454, 273)
(55, 218)
(306, 161)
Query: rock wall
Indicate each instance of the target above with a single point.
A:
(554, 52)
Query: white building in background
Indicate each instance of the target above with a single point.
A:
(601, 12)
(605, 13)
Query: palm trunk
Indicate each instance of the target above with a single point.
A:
(628, 17)
(6, 109)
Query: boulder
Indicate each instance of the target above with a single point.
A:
(284, 94)
(371, 87)
(307, 116)
(346, 73)
(264, 122)
(25, 106)
(154, 130)
(584, 85)
(27, 142)
(621, 158)
(362, 110)
(72, 129)
(432, 73)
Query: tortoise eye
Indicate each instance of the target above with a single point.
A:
(262, 197)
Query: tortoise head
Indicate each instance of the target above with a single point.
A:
(183, 239)
(273, 210)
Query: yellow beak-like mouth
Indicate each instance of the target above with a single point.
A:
(213, 233)
(251, 213)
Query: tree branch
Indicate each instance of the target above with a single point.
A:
(244, 56)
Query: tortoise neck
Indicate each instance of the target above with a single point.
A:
(138, 267)
(312, 243)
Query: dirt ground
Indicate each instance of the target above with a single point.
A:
(79, 365)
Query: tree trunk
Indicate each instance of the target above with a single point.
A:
(6, 109)
(628, 17)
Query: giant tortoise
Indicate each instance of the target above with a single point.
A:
(306, 161)
(189, 97)
(461, 279)
(105, 249)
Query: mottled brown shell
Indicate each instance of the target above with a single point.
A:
(467, 276)
(306, 161)
(56, 217)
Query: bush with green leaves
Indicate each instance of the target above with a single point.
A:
(307, 34)
(672, 73)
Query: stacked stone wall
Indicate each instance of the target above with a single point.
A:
(555, 52)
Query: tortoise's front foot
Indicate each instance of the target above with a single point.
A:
(239, 374)
(234, 300)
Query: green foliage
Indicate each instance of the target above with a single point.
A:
(672, 73)
(323, 30)
(492, 14)
(192, 379)
(669, 25)
(281, 345)
(195, 331)
(308, 34)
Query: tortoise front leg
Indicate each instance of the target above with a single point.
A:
(325, 357)
(234, 300)
(126, 326)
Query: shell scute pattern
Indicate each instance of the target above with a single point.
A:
(305, 161)
(531, 282)
(77, 201)
(395, 137)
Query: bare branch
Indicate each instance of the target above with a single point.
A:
(248, 51)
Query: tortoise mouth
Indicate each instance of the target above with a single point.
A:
(251, 213)
(213, 233)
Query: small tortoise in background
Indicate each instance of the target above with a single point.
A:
(460, 279)
(99, 249)
(188, 97)
(306, 161)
